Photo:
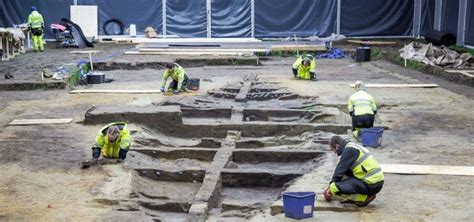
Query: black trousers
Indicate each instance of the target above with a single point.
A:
(174, 83)
(353, 185)
(363, 121)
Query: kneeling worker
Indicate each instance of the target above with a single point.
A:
(303, 68)
(362, 108)
(113, 141)
(357, 177)
(179, 76)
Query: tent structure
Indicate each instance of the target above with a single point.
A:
(268, 18)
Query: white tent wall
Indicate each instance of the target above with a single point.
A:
(267, 18)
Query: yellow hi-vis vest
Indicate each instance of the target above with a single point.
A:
(35, 20)
(303, 71)
(178, 75)
(361, 103)
(366, 167)
(111, 150)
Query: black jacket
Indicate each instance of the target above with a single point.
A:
(348, 157)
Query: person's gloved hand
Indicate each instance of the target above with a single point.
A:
(375, 112)
(162, 89)
(351, 113)
(175, 91)
(94, 161)
(327, 194)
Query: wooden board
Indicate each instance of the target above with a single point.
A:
(189, 53)
(299, 47)
(85, 52)
(371, 42)
(200, 50)
(115, 91)
(39, 121)
(428, 169)
(398, 85)
(183, 40)
(468, 73)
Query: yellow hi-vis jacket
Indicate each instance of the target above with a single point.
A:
(35, 20)
(361, 103)
(303, 71)
(366, 167)
(111, 150)
(177, 75)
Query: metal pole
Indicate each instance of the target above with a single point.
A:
(208, 11)
(75, 2)
(462, 22)
(417, 18)
(437, 15)
(252, 9)
(163, 9)
(338, 18)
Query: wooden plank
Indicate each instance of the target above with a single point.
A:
(39, 121)
(189, 53)
(116, 91)
(398, 85)
(299, 47)
(463, 72)
(199, 50)
(84, 52)
(371, 42)
(183, 40)
(428, 169)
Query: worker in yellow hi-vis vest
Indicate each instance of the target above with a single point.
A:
(357, 177)
(36, 27)
(303, 68)
(113, 141)
(362, 109)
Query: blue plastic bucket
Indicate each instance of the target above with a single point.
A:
(298, 205)
(371, 136)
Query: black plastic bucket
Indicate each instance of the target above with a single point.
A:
(95, 78)
(362, 54)
(193, 84)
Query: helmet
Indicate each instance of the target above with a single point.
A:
(113, 132)
(359, 85)
(33, 8)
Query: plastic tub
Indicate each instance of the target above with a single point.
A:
(371, 137)
(298, 205)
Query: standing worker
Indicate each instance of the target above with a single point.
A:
(179, 76)
(113, 141)
(36, 27)
(362, 108)
(357, 177)
(303, 68)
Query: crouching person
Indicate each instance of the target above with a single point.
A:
(304, 67)
(357, 177)
(179, 77)
(113, 141)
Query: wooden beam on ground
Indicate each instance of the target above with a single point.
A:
(84, 52)
(428, 169)
(115, 91)
(381, 85)
(199, 50)
(183, 40)
(371, 42)
(299, 47)
(463, 72)
(18, 122)
(189, 53)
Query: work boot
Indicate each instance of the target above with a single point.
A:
(369, 199)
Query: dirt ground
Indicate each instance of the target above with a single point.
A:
(42, 181)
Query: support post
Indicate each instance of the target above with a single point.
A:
(417, 18)
(252, 9)
(462, 22)
(437, 15)
(338, 18)
(208, 13)
(163, 6)
(75, 2)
